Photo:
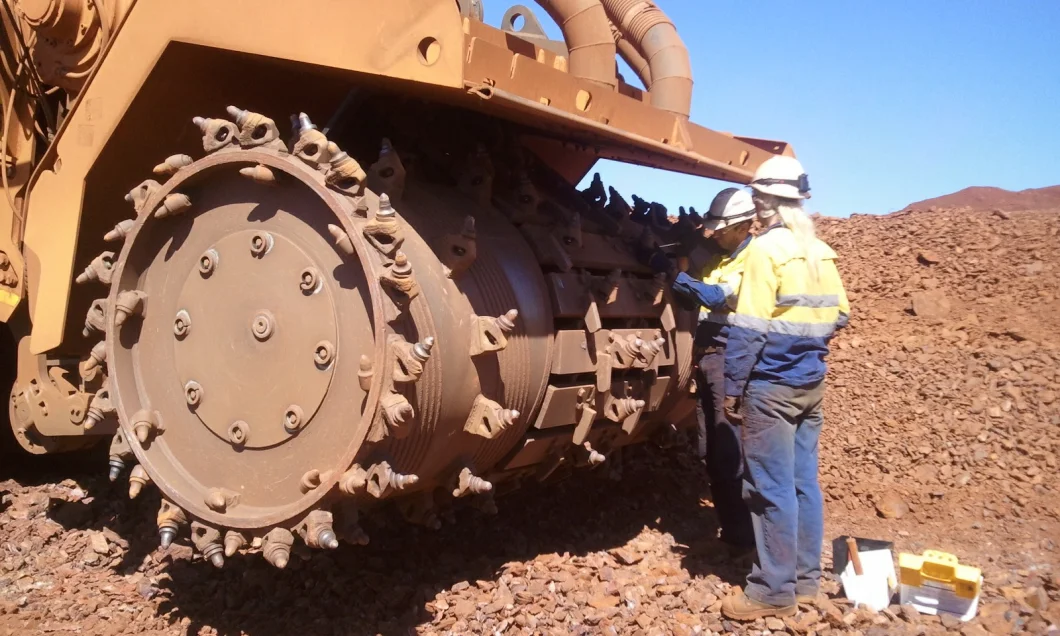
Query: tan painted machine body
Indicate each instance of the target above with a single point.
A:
(404, 299)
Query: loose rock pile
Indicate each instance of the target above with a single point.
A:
(943, 430)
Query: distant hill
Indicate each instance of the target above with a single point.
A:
(980, 198)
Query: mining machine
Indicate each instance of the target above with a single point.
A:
(297, 262)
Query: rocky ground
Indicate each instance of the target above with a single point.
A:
(943, 429)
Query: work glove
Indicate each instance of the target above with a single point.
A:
(660, 263)
(733, 409)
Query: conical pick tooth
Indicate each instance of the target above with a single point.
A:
(342, 239)
(166, 537)
(327, 539)
(120, 231)
(237, 114)
(173, 205)
(172, 164)
(233, 542)
(259, 173)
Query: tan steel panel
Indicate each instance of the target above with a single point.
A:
(524, 76)
(596, 251)
(570, 298)
(560, 405)
(625, 122)
(321, 32)
(19, 146)
(540, 445)
(572, 350)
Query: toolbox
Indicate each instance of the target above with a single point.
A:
(935, 582)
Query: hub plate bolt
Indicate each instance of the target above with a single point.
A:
(260, 244)
(208, 262)
(181, 324)
(293, 418)
(262, 326)
(324, 353)
(238, 433)
(193, 393)
(310, 280)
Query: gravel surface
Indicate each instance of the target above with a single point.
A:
(943, 428)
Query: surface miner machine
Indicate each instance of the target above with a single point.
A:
(295, 260)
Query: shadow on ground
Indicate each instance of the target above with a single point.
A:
(382, 588)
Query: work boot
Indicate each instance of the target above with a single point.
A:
(806, 599)
(739, 607)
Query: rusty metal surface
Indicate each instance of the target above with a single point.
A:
(401, 302)
(405, 26)
(284, 344)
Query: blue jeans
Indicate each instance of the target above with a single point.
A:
(780, 431)
(719, 448)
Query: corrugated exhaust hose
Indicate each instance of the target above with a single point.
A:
(629, 52)
(588, 35)
(656, 37)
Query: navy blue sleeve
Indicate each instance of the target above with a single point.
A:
(711, 296)
(741, 354)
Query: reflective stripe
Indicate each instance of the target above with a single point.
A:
(844, 320)
(716, 317)
(750, 322)
(808, 300)
(804, 329)
(727, 289)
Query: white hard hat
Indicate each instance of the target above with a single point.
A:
(782, 177)
(729, 207)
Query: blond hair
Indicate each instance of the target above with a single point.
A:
(801, 225)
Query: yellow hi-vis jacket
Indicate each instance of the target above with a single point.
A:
(784, 319)
(725, 276)
(716, 294)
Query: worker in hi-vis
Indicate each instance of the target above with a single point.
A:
(791, 301)
(730, 218)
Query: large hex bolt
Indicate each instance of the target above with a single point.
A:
(293, 418)
(324, 353)
(193, 393)
(309, 280)
(260, 244)
(262, 326)
(182, 324)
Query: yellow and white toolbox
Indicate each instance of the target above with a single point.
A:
(935, 582)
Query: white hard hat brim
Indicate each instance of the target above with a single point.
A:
(720, 224)
(780, 190)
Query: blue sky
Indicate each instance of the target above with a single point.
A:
(886, 103)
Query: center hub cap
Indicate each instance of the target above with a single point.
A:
(252, 350)
(243, 332)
